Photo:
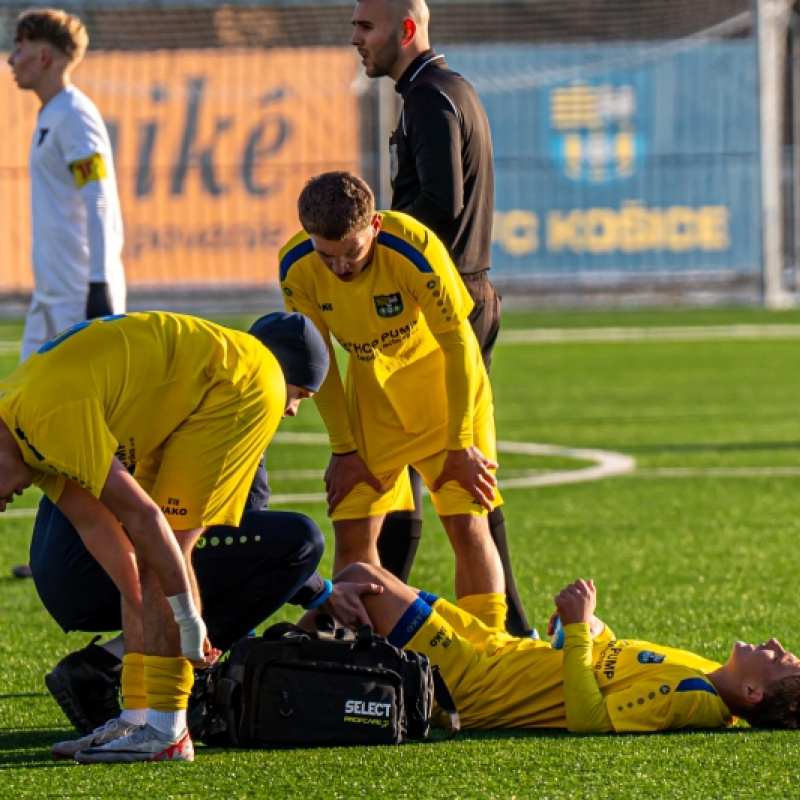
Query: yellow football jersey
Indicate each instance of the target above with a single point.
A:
(394, 407)
(498, 681)
(122, 386)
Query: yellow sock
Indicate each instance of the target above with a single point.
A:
(133, 694)
(168, 682)
(489, 608)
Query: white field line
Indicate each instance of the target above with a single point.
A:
(679, 333)
(717, 472)
(696, 333)
(607, 464)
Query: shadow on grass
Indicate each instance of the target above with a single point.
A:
(553, 733)
(30, 747)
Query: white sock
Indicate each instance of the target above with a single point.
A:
(134, 716)
(169, 722)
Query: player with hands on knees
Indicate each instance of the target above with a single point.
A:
(416, 390)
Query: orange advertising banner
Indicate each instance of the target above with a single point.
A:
(211, 150)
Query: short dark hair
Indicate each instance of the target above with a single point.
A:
(335, 205)
(62, 30)
(779, 708)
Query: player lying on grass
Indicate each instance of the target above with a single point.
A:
(596, 684)
(191, 406)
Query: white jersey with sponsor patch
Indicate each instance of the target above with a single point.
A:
(71, 153)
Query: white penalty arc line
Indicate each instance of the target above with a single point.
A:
(605, 464)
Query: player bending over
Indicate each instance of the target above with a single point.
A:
(596, 684)
(191, 406)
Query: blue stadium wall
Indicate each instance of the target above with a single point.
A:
(624, 159)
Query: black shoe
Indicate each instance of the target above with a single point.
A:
(22, 571)
(85, 684)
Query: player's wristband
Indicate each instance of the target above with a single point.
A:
(190, 625)
(321, 598)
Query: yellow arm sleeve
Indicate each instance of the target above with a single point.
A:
(330, 399)
(461, 381)
(585, 705)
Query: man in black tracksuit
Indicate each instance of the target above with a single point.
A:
(442, 175)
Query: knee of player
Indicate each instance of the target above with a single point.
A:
(313, 536)
(359, 572)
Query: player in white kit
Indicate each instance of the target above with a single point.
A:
(75, 211)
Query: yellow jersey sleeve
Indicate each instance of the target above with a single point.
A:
(462, 386)
(584, 703)
(297, 286)
(50, 448)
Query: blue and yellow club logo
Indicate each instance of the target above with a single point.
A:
(593, 131)
(388, 305)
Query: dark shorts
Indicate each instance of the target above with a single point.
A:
(245, 573)
(485, 316)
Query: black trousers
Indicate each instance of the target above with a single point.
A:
(244, 573)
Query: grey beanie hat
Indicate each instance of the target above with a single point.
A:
(297, 345)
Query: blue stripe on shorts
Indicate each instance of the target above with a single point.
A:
(415, 616)
(427, 597)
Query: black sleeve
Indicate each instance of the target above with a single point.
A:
(97, 302)
(309, 591)
(433, 133)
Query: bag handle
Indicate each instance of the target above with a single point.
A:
(280, 629)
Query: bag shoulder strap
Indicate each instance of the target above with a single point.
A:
(445, 701)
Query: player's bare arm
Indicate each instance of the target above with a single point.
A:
(104, 539)
(346, 604)
(147, 528)
(156, 545)
(473, 471)
(344, 472)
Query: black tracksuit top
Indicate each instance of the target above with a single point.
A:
(442, 171)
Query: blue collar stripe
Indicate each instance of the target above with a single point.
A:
(695, 685)
(295, 254)
(405, 249)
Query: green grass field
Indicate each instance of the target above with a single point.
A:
(695, 548)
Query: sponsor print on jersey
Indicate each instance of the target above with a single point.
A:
(88, 169)
(365, 351)
(126, 453)
(388, 305)
(42, 134)
(441, 638)
(649, 657)
(609, 657)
